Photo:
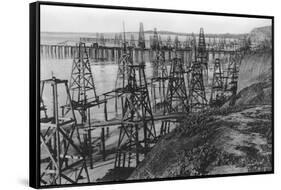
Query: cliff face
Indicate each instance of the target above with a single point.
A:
(254, 80)
(255, 68)
(255, 72)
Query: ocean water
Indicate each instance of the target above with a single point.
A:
(104, 77)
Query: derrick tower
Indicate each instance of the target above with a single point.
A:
(231, 79)
(82, 85)
(58, 142)
(83, 96)
(120, 40)
(137, 131)
(202, 54)
(160, 42)
(141, 42)
(197, 94)
(155, 41)
(169, 42)
(102, 40)
(193, 45)
(187, 42)
(159, 65)
(176, 99)
(116, 40)
(132, 41)
(177, 43)
(217, 91)
(159, 79)
(155, 53)
(123, 62)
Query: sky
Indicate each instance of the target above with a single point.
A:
(92, 20)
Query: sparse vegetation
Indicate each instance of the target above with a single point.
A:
(210, 144)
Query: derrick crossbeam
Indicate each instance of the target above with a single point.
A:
(173, 117)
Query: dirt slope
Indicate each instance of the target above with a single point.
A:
(232, 140)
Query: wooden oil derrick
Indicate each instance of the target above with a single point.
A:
(82, 85)
(122, 73)
(97, 38)
(231, 79)
(193, 46)
(159, 64)
(154, 51)
(160, 73)
(132, 43)
(221, 44)
(159, 80)
(62, 158)
(160, 42)
(155, 41)
(83, 95)
(116, 40)
(177, 43)
(197, 94)
(141, 42)
(169, 42)
(176, 100)
(190, 45)
(123, 62)
(120, 40)
(202, 54)
(137, 131)
(217, 92)
(208, 45)
(187, 43)
(150, 41)
(102, 40)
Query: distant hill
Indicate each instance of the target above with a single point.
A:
(261, 36)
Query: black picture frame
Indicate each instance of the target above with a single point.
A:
(34, 94)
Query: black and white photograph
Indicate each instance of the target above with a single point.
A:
(140, 95)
